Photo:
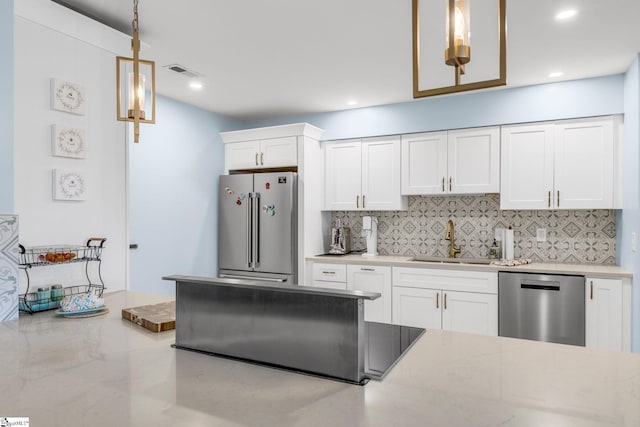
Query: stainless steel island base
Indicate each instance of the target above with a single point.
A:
(312, 330)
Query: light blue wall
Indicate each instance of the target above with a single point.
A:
(629, 218)
(173, 182)
(577, 98)
(6, 106)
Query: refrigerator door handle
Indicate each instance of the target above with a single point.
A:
(256, 229)
(248, 225)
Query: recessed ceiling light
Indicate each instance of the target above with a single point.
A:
(352, 103)
(555, 74)
(195, 85)
(566, 14)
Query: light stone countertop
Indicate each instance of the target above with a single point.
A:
(590, 270)
(106, 371)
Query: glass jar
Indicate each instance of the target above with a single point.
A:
(57, 293)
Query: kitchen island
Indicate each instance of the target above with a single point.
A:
(106, 371)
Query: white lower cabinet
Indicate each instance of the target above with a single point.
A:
(372, 278)
(462, 301)
(604, 314)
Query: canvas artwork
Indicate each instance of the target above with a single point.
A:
(68, 142)
(68, 185)
(68, 97)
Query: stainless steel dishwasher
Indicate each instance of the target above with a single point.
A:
(541, 307)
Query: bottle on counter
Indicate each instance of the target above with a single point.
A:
(495, 252)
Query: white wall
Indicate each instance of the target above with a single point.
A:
(173, 192)
(45, 50)
(6, 106)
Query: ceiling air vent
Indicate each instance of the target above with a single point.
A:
(182, 70)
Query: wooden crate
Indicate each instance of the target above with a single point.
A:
(155, 317)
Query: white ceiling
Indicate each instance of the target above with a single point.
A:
(261, 59)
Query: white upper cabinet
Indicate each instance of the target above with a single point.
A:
(473, 161)
(527, 166)
(583, 169)
(562, 165)
(268, 153)
(424, 163)
(465, 161)
(343, 175)
(363, 175)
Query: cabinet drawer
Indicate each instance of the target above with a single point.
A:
(330, 272)
(342, 286)
(448, 280)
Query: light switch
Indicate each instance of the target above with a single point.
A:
(634, 241)
(541, 234)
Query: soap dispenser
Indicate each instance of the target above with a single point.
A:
(495, 252)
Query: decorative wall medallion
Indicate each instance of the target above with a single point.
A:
(68, 185)
(68, 142)
(68, 97)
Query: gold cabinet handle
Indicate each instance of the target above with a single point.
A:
(367, 269)
(443, 184)
(257, 164)
(549, 199)
(450, 183)
(262, 159)
(363, 201)
(591, 291)
(438, 300)
(445, 301)
(558, 198)
(357, 201)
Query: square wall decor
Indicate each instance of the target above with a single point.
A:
(68, 142)
(68, 185)
(68, 97)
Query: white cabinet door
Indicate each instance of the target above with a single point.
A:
(278, 152)
(603, 313)
(584, 164)
(417, 307)
(372, 279)
(343, 175)
(470, 312)
(242, 155)
(381, 174)
(526, 167)
(473, 161)
(424, 163)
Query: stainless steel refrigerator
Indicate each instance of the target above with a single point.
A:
(257, 226)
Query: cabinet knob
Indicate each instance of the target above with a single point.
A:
(445, 301)
(558, 198)
(443, 184)
(363, 201)
(257, 164)
(357, 201)
(262, 159)
(438, 300)
(450, 183)
(591, 291)
(549, 199)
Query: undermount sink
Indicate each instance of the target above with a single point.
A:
(451, 260)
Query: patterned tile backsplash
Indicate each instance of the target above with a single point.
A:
(8, 267)
(573, 236)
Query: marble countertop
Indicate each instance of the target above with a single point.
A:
(591, 270)
(106, 371)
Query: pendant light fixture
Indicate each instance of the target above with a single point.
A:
(431, 75)
(136, 84)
